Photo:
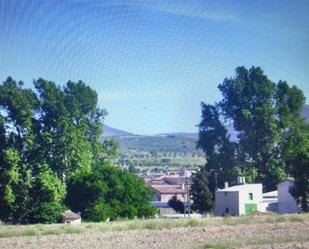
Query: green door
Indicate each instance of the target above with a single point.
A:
(249, 208)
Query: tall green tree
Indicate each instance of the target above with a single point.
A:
(219, 150)
(271, 134)
(16, 181)
(248, 100)
(71, 125)
(201, 196)
(46, 136)
(47, 194)
(18, 140)
(297, 162)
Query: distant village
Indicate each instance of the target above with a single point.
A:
(238, 200)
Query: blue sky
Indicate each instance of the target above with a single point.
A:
(153, 62)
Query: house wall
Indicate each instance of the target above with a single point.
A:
(73, 222)
(164, 211)
(226, 200)
(235, 200)
(286, 202)
(269, 206)
(256, 190)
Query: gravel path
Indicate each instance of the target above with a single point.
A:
(198, 237)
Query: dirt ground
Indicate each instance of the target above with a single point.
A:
(281, 235)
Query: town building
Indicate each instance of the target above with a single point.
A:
(165, 192)
(242, 199)
(166, 186)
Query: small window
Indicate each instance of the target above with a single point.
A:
(251, 196)
(227, 210)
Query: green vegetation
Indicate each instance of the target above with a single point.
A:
(273, 138)
(161, 152)
(8, 231)
(50, 137)
(201, 196)
(108, 192)
(177, 205)
(178, 143)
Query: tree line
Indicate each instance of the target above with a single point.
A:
(272, 137)
(51, 157)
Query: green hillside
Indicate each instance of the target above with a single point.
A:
(159, 143)
(159, 152)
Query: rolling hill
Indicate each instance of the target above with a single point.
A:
(158, 143)
(112, 132)
(176, 142)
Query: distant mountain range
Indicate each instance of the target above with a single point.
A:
(112, 132)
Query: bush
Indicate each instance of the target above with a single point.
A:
(177, 205)
(109, 192)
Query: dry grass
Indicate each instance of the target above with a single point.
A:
(36, 230)
(256, 242)
(151, 224)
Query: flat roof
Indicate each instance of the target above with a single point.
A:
(239, 187)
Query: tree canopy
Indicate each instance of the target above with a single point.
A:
(109, 192)
(50, 135)
(272, 137)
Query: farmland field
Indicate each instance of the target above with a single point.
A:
(243, 232)
(160, 152)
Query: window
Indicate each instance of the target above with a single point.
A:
(227, 210)
(251, 196)
(225, 193)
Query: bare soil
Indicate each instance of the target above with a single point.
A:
(279, 235)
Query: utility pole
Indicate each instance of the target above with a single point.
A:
(188, 196)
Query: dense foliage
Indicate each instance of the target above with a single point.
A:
(109, 192)
(177, 205)
(272, 137)
(200, 194)
(48, 136)
(158, 153)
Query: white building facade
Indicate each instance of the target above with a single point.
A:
(239, 200)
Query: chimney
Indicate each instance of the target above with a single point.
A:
(226, 184)
(241, 180)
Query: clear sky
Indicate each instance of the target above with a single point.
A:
(153, 62)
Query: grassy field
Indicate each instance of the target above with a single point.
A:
(263, 232)
(138, 224)
(257, 243)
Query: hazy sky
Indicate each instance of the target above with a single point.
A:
(153, 62)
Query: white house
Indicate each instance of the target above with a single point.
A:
(286, 202)
(239, 200)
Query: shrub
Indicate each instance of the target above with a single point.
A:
(108, 192)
